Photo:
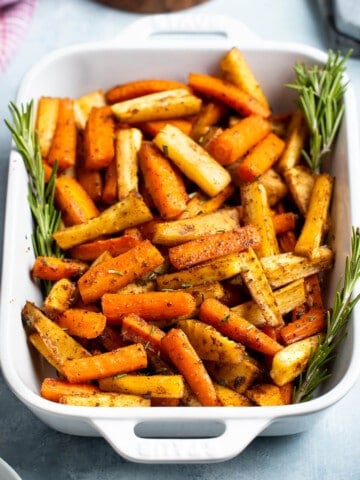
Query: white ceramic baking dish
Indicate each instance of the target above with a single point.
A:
(169, 46)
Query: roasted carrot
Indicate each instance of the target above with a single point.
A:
(236, 327)
(46, 119)
(152, 128)
(90, 180)
(115, 246)
(138, 88)
(310, 323)
(286, 392)
(137, 330)
(111, 338)
(234, 142)
(228, 93)
(210, 114)
(99, 138)
(264, 154)
(110, 188)
(283, 222)
(73, 201)
(148, 305)
(122, 360)
(182, 354)
(82, 323)
(54, 388)
(162, 181)
(313, 292)
(53, 268)
(213, 246)
(63, 146)
(113, 274)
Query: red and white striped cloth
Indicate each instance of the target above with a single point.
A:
(15, 17)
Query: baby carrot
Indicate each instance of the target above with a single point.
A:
(124, 359)
(162, 181)
(182, 354)
(117, 272)
(148, 305)
(137, 330)
(138, 88)
(234, 142)
(82, 323)
(115, 246)
(99, 138)
(63, 145)
(54, 388)
(310, 323)
(213, 246)
(234, 326)
(153, 127)
(110, 187)
(54, 268)
(228, 93)
(73, 201)
(264, 154)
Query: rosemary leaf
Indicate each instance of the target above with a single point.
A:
(40, 194)
(337, 321)
(321, 91)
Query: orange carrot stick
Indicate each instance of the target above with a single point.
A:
(53, 268)
(54, 388)
(234, 142)
(89, 251)
(228, 93)
(283, 222)
(213, 246)
(82, 323)
(138, 88)
(73, 201)
(137, 330)
(210, 114)
(310, 323)
(152, 128)
(182, 354)
(90, 180)
(110, 187)
(99, 138)
(261, 158)
(236, 327)
(122, 360)
(162, 181)
(114, 274)
(148, 305)
(63, 146)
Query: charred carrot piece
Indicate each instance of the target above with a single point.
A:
(138, 88)
(162, 181)
(234, 142)
(213, 246)
(135, 329)
(99, 138)
(82, 323)
(122, 360)
(89, 251)
(228, 93)
(54, 388)
(53, 268)
(114, 274)
(310, 323)
(63, 146)
(236, 327)
(148, 305)
(179, 349)
(264, 154)
(283, 222)
(111, 338)
(73, 201)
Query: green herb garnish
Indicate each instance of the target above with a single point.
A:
(337, 319)
(40, 194)
(321, 91)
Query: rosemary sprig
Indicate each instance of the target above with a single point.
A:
(321, 91)
(337, 320)
(40, 194)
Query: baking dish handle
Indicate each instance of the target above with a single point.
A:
(237, 435)
(211, 29)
